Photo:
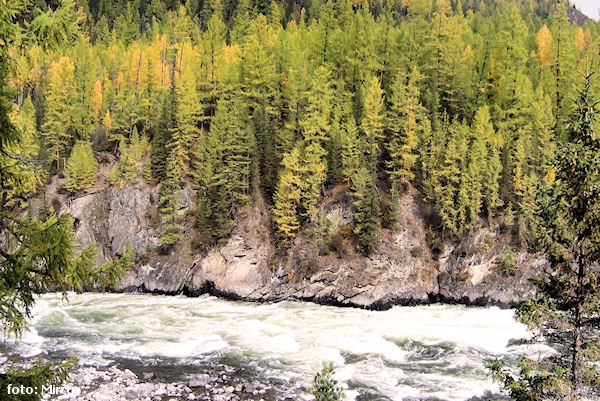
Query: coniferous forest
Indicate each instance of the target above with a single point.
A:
(485, 108)
(465, 100)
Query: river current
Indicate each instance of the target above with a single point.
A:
(430, 353)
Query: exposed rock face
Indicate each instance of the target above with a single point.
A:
(320, 266)
(127, 221)
(400, 270)
(473, 271)
(91, 218)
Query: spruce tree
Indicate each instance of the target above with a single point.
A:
(238, 152)
(162, 136)
(185, 129)
(366, 210)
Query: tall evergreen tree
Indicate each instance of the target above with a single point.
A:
(367, 210)
(82, 168)
(567, 311)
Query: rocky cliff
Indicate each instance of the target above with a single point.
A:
(320, 266)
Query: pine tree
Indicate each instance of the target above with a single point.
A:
(82, 168)
(324, 387)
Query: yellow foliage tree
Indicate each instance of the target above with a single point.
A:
(544, 44)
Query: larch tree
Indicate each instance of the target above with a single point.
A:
(315, 128)
(404, 118)
(491, 168)
(286, 199)
(57, 129)
(373, 123)
(352, 155)
(37, 255)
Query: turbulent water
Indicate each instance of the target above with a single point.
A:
(406, 353)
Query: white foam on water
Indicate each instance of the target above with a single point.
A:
(372, 350)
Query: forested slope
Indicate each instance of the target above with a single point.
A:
(277, 104)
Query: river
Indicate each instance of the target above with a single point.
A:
(431, 352)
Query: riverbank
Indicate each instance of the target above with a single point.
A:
(91, 383)
(411, 264)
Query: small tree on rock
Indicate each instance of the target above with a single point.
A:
(324, 387)
(82, 168)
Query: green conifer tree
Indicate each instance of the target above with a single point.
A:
(373, 123)
(82, 168)
(57, 129)
(404, 119)
(367, 210)
(566, 312)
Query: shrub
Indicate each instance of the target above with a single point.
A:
(509, 262)
(324, 387)
(416, 251)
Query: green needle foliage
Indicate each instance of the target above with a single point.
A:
(82, 168)
(36, 255)
(567, 312)
(36, 376)
(324, 387)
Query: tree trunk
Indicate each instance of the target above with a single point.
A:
(576, 353)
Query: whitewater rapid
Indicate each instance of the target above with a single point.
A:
(406, 353)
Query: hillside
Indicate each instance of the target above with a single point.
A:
(354, 152)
